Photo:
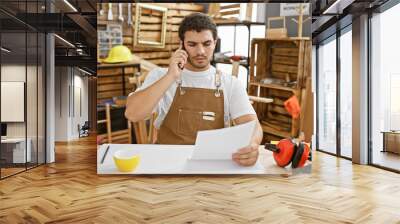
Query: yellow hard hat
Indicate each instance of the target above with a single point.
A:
(118, 54)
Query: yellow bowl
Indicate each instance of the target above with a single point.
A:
(125, 160)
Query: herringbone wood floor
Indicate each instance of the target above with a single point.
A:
(70, 191)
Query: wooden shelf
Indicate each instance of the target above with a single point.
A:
(274, 86)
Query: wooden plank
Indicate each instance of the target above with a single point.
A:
(108, 94)
(300, 68)
(160, 62)
(115, 71)
(108, 123)
(252, 67)
(182, 6)
(109, 87)
(145, 19)
(277, 109)
(154, 27)
(284, 60)
(157, 35)
(282, 75)
(280, 94)
(307, 111)
(273, 86)
(168, 47)
(108, 72)
(109, 80)
(293, 52)
(171, 37)
(170, 12)
(120, 136)
(158, 20)
(154, 55)
(277, 126)
(273, 131)
(262, 65)
(230, 12)
(129, 40)
(284, 43)
(230, 6)
(287, 119)
(284, 68)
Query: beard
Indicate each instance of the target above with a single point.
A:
(192, 61)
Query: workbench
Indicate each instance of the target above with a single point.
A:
(173, 160)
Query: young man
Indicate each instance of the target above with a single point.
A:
(191, 95)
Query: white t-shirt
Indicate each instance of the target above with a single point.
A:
(236, 100)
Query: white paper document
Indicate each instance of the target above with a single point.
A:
(220, 144)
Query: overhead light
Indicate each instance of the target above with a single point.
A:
(86, 72)
(64, 40)
(70, 5)
(5, 49)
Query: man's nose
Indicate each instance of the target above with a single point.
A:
(200, 49)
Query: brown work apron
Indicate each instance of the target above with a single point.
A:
(192, 110)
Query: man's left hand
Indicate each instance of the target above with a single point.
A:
(246, 156)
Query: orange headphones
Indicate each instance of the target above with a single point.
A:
(287, 151)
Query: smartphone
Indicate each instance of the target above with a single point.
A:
(183, 48)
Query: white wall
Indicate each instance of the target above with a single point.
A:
(61, 103)
(69, 82)
(13, 73)
(34, 125)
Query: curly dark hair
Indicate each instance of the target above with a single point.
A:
(198, 22)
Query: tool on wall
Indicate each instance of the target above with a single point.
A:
(288, 151)
(130, 14)
(101, 12)
(110, 14)
(120, 16)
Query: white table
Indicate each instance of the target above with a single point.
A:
(19, 149)
(174, 159)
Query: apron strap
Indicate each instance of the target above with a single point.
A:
(179, 83)
(217, 84)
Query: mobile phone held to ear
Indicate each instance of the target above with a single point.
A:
(181, 66)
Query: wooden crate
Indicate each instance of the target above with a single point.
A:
(286, 62)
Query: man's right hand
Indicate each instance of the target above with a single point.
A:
(178, 60)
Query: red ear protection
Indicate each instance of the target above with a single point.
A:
(286, 152)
